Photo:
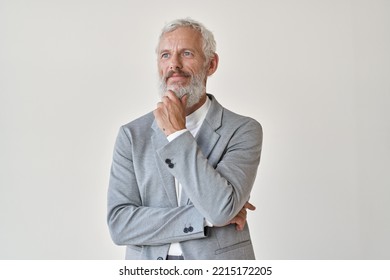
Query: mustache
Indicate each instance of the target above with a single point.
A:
(180, 72)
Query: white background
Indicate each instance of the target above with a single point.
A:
(315, 74)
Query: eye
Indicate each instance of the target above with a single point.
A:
(165, 55)
(187, 53)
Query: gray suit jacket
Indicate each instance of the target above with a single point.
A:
(216, 169)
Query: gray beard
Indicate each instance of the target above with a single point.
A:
(194, 89)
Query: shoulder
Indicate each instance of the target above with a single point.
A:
(138, 127)
(230, 120)
(234, 118)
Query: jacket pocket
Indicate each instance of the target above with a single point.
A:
(233, 247)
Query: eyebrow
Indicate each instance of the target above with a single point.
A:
(182, 49)
(163, 51)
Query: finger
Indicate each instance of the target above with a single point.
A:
(171, 98)
(165, 100)
(171, 95)
(240, 222)
(240, 226)
(162, 107)
(184, 100)
(240, 219)
(249, 206)
(160, 104)
(237, 221)
(158, 111)
(242, 214)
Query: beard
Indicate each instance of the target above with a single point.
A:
(194, 89)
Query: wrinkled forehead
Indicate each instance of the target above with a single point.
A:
(183, 37)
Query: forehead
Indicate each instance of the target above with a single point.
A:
(183, 37)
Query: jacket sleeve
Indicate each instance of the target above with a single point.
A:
(218, 190)
(132, 223)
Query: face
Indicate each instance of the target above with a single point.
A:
(182, 64)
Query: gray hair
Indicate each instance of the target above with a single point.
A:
(209, 44)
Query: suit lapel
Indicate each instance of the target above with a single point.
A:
(207, 136)
(159, 140)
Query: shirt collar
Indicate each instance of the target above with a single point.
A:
(196, 118)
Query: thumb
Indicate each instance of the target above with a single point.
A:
(249, 206)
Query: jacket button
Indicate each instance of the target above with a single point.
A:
(171, 165)
(159, 258)
(167, 161)
(185, 230)
(190, 229)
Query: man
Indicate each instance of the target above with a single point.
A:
(181, 175)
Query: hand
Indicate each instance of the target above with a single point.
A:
(170, 113)
(240, 218)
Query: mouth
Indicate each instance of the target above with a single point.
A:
(177, 76)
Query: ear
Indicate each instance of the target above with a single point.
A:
(213, 65)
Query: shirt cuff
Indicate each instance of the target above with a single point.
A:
(176, 134)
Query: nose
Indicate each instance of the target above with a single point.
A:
(176, 63)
